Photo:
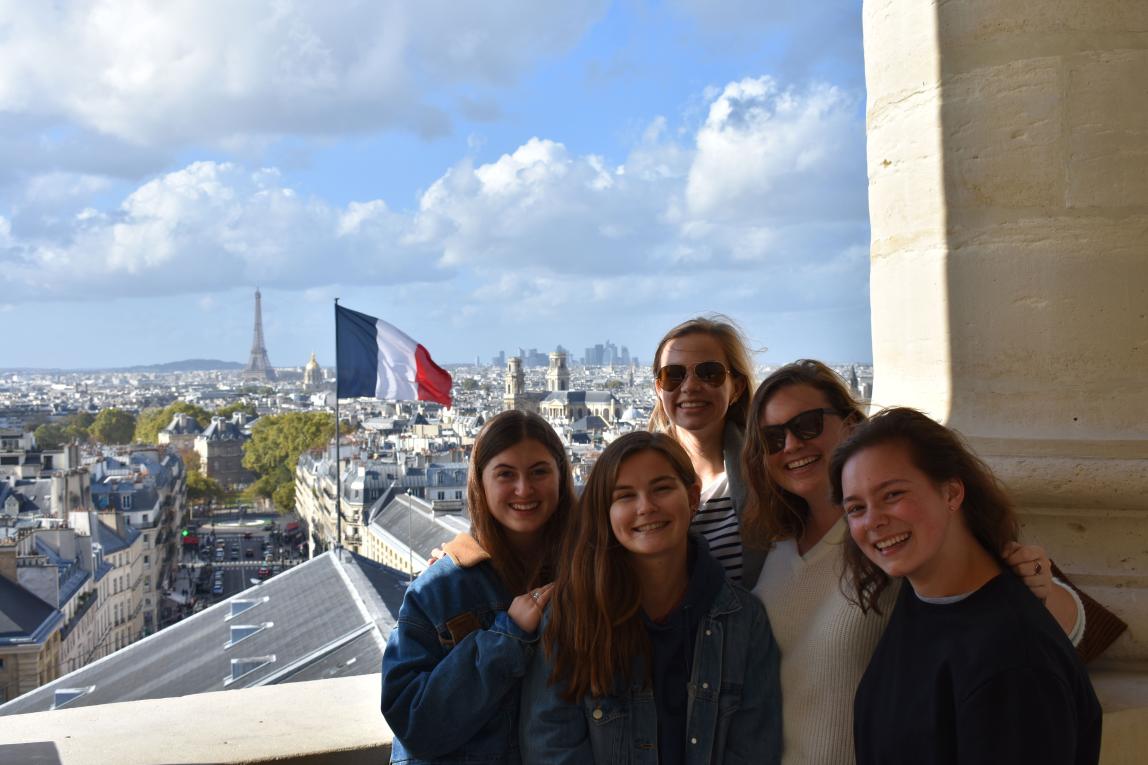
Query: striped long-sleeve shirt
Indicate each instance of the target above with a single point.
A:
(718, 523)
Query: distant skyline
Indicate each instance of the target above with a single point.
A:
(525, 174)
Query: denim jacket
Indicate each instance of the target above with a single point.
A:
(453, 664)
(734, 701)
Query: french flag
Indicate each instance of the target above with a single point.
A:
(376, 360)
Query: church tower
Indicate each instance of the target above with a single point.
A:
(312, 375)
(558, 374)
(515, 384)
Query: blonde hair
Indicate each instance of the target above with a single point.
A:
(732, 341)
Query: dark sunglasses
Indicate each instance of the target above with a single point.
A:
(712, 373)
(805, 426)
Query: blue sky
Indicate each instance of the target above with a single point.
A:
(483, 175)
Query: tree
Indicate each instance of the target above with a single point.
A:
(200, 487)
(275, 445)
(114, 426)
(50, 435)
(78, 425)
(237, 406)
(284, 497)
(191, 459)
(469, 384)
(152, 421)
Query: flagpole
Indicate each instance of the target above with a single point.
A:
(338, 465)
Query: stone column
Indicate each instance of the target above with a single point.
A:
(1008, 176)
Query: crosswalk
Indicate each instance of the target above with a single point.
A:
(253, 564)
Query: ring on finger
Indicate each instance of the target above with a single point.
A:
(1037, 569)
(536, 594)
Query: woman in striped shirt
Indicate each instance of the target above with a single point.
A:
(703, 379)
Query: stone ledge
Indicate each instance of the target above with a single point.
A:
(325, 721)
(338, 722)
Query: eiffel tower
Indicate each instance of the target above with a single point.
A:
(258, 366)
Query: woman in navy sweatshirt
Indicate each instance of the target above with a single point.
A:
(972, 668)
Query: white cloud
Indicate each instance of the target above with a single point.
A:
(768, 153)
(210, 225)
(167, 72)
(742, 204)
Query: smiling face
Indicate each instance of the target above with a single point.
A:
(904, 522)
(650, 507)
(802, 467)
(521, 488)
(694, 405)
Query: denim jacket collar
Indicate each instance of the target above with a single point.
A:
(465, 551)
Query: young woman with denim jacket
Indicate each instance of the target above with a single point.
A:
(456, 657)
(651, 655)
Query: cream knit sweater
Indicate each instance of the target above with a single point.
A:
(825, 642)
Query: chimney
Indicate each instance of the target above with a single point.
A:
(8, 561)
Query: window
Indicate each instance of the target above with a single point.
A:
(63, 696)
(458, 495)
(241, 667)
(147, 559)
(240, 632)
(442, 495)
(126, 501)
(239, 606)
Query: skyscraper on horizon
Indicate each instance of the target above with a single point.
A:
(258, 365)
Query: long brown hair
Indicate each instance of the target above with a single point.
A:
(772, 513)
(730, 338)
(942, 455)
(502, 432)
(595, 633)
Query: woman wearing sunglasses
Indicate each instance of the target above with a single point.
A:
(970, 668)
(703, 380)
(798, 416)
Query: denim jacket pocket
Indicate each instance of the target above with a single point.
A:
(608, 721)
(456, 628)
(729, 701)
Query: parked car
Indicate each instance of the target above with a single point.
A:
(264, 572)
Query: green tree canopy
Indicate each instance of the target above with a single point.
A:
(114, 426)
(200, 487)
(237, 406)
(77, 427)
(51, 435)
(152, 421)
(275, 445)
